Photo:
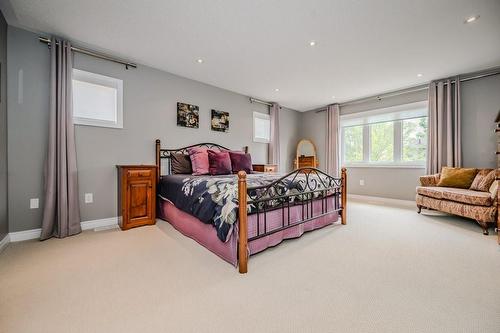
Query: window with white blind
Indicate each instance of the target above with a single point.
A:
(97, 100)
(394, 136)
(261, 127)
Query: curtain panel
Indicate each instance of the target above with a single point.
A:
(444, 146)
(61, 213)
(274, 144)
(332, 139)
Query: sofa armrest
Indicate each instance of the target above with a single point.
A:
(430, 180)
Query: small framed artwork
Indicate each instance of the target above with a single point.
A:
(220, 121)
(188, 115)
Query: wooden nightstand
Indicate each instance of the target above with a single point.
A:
(268, 168)
(136, 195)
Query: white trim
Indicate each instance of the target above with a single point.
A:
(101, 223)
(4, 243)
(382, 201)
(20, 236)
(107, 223)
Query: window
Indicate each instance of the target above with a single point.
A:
(261, 127)
(395, 136)
(97, 100)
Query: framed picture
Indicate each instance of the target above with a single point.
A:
(188, 115)
(220, 121)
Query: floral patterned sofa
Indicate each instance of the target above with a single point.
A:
(481, 206)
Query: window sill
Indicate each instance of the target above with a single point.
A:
(394, 166)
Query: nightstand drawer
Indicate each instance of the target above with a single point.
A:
(139, 173)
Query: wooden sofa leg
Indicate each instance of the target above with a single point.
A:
(419, 209)
(484, 226)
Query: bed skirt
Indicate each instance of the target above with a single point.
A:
(206, 235)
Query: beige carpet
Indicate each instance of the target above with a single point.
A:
(388, 270)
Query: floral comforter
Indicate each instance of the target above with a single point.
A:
(213, 199)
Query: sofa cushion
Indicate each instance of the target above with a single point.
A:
(483, 180)
(457, 177)
(457, 194)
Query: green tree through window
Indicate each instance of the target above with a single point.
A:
(382, 142)
(414, 139)
(353, 143)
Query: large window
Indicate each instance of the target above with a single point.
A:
(97, 100)
(261, 127)
(395, 136)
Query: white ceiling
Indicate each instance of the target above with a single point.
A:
(252, 47)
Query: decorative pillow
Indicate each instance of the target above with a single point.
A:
(219, 162)
(241, 161)
(199, 161)
(483, 180)
(457, 177)
(181, 163)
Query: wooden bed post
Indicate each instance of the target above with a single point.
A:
(344, 195)
(158, 161)
(242, 228)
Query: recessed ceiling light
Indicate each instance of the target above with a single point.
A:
(471, 19)
(333, 97)
(312, 43)
(277, 89)
(199, 60)
(420, 75)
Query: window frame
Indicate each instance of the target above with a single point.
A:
(264, 116)
(106, 81)
(397, 142)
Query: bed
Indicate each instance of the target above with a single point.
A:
(236, 216)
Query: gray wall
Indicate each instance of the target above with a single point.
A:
(480, 105)
(150, 98)
(4, 226)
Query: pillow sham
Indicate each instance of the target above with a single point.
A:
(241, 161)
(219, 162)
(457, 177)
(199, 160)
(483, 180)
(180, 163)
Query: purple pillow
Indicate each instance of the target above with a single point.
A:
(241, 161)
(199, 160)
(219, 162)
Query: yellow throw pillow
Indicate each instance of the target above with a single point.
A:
(457, 177)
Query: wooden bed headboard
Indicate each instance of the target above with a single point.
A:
(165, 154)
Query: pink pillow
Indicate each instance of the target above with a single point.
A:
(199, 160)
(219, 162)
(241, 161)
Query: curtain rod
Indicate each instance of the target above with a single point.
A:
(94, 54)
(255, 100)
(407, 91)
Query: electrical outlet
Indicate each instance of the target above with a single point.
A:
(89, 198)
(34, 203)
(362, 182)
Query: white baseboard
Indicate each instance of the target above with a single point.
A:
(4, 242)
(19, 236)
(383, 201)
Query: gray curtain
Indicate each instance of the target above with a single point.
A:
(332, 139)
(61, 213)
(274, 144)
(444, 148)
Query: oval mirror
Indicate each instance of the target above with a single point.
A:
(306, 155)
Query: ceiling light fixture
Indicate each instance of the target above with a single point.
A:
(471, 19)
(312, 43)
(333, 97)
(199, 60)
(277, 89)
(420, 75)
